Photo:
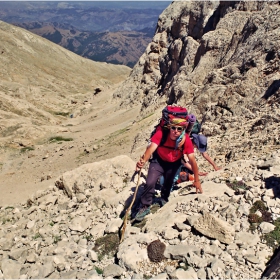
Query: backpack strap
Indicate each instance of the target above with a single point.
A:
(164, 137)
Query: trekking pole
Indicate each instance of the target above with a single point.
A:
(129, 208)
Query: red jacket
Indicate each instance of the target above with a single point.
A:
(167, 151)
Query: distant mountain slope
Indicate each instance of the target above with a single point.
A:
(41, 82)
(123, 47)
(86, 15)
(112, 31)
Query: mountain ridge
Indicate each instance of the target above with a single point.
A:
(86, 15)
(120, 47)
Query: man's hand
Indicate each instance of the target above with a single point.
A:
(143, 159)
(198, 187)
(140, 164)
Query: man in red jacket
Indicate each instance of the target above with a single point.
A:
(166, 161)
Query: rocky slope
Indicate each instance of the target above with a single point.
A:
(41, 83)
(52, 111)
(220, 60)
(71, 230)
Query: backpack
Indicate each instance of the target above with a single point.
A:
(168, 113)
(196, 128)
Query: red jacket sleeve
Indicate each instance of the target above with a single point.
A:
(156, 138)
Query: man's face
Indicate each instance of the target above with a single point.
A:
(175, 131)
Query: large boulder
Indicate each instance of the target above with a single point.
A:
(113, 174)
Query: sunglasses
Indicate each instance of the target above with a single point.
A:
(178, 128)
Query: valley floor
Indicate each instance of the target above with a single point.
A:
(102, 132)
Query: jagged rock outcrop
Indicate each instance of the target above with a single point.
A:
(221, 60)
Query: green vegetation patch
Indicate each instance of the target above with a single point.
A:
(59, 139)
(254, 218)
(238, 186)
(258, 206)
(98, 270)
(146, 117)
(139, 224)
(64, 114)
(9, 208)
(107, 245)
(118, 132)
(273, 238)
(6, 220)
(56, 239)
(37, 235)
(26, 149)
(88, 237)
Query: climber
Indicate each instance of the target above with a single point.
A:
(165, 161)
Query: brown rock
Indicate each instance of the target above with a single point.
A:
(156, 251)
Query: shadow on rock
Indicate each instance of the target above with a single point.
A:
(273, 183)
(136, 202)
(272, 270)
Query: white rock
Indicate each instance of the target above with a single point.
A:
(266, 227)
(213, 227)
(30, 224)
(217, 266)
(184, 274)
(246, 238)
(171, 233)
(252, 259)
(79, 223)
(92, 255)
(11, 269)
(113, 270)
(113, 225)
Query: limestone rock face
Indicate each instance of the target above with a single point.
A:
(221, 61)
(112, 173)
(214, 228)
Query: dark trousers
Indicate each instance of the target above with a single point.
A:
(156, 169)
